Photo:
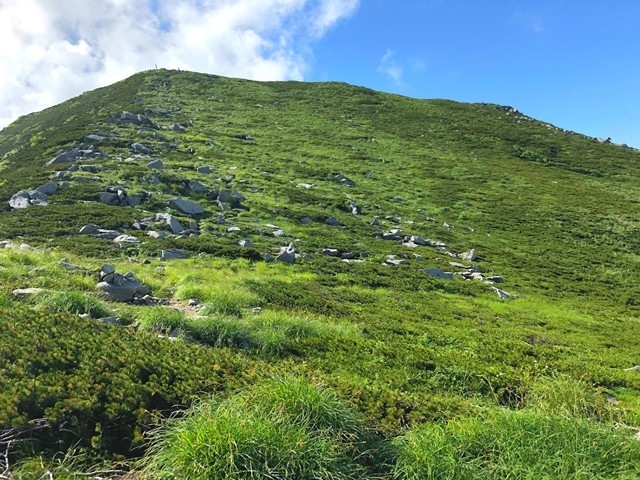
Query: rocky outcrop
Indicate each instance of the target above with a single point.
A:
(81, 152)
(132, 118)
(287, 255)
(120, 198)
(119, 288)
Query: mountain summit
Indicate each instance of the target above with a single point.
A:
(430, 267)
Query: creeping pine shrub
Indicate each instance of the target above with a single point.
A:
(523, 445)
(284, 429)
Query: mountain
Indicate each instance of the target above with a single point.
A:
(431, 268)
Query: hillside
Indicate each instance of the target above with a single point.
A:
(432, 268)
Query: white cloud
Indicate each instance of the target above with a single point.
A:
(55, 49)
(390, 67)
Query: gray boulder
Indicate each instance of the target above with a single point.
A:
(125, 239)
(196, 187)
(140, 148)
(204, 170)
(119, 291)
(437, 273)
(156, 164)
(344, 180)
(502, 294)
(176, 127)
(395, 234)
(333, 221)
(173, 254)
(89, 229)
(246, 243)
(185, 206)
(27, 198)
(469, 256)
(48, 188)
(287, 255)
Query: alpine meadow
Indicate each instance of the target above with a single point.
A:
(212, 278)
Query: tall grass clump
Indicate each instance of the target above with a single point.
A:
(72, 302)
(570, 397)
(161, 318)
(285, 429)
(523, 445)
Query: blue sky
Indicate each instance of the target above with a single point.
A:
(573, 63)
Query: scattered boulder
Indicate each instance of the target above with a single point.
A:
(437, 273)
(172, 222)
(331, 252)
(185, 206)
(125, 239)
(106, 234)
(355, 209)
(156, 164)
(502, 294)
(48, 188)
(393, 260)
(135, 119)
(27, 198)
(119, 197)
(395, 234)
(24, 293)
(469, 256)
(333, 221)
(140, 148)
(173, 254)
(66, 265)
(81, 152)
(287, 255)
(119, 288)
(204, 170)
(344, 180)
(195, 186)
(246, 243)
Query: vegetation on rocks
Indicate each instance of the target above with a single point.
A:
(386, 287)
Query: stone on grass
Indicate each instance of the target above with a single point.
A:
(287, 254)
(344, 180)
(205, 170)
(186, 206)
(126, 239)
(48, 188)
(88, 229)
(156, 164)
(246, 243)
(502, 294)
(140, 148)
(173, 254)
(469, 256)
(395, 234)
(437, 273)
(333, 221)
(22, 293)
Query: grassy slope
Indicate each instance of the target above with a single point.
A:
(556, 213)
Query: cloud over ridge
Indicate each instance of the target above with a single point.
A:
(56, 49)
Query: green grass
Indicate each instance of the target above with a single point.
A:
(286, 429)
(520, 445)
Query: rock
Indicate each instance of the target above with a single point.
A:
(107, 269)
(233, 229)
(108, 198)
(177, 128)
(436, 272)
(395, 234)
(173, 254)
(279, 233)
(193, 303)
(106, 234)
(306, 186)
(457, 265)
(305, 220)
(333, 221)
(268, 257)
(109, 320)
(81, 152)
(5, 244)
(204, 170)
(220, 219)
(502, 294)
(65, 264)
(122, 290)
(355, 210)
(128, 117)
(246, 243)
(93, 138)
(140, 148)
(331, 252)
(392, 260)
(48, 188)
(418, 240)
(155, 234)
(20, 200)
(376, 220)
(156, 164)
(496, 279)
(344, 180)
(23, 293)
(171, 221)
(126, 239)
(469, 256)
(196, 187)
(88, 229)
(287, 255)
(185, 206)
(633, 369)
